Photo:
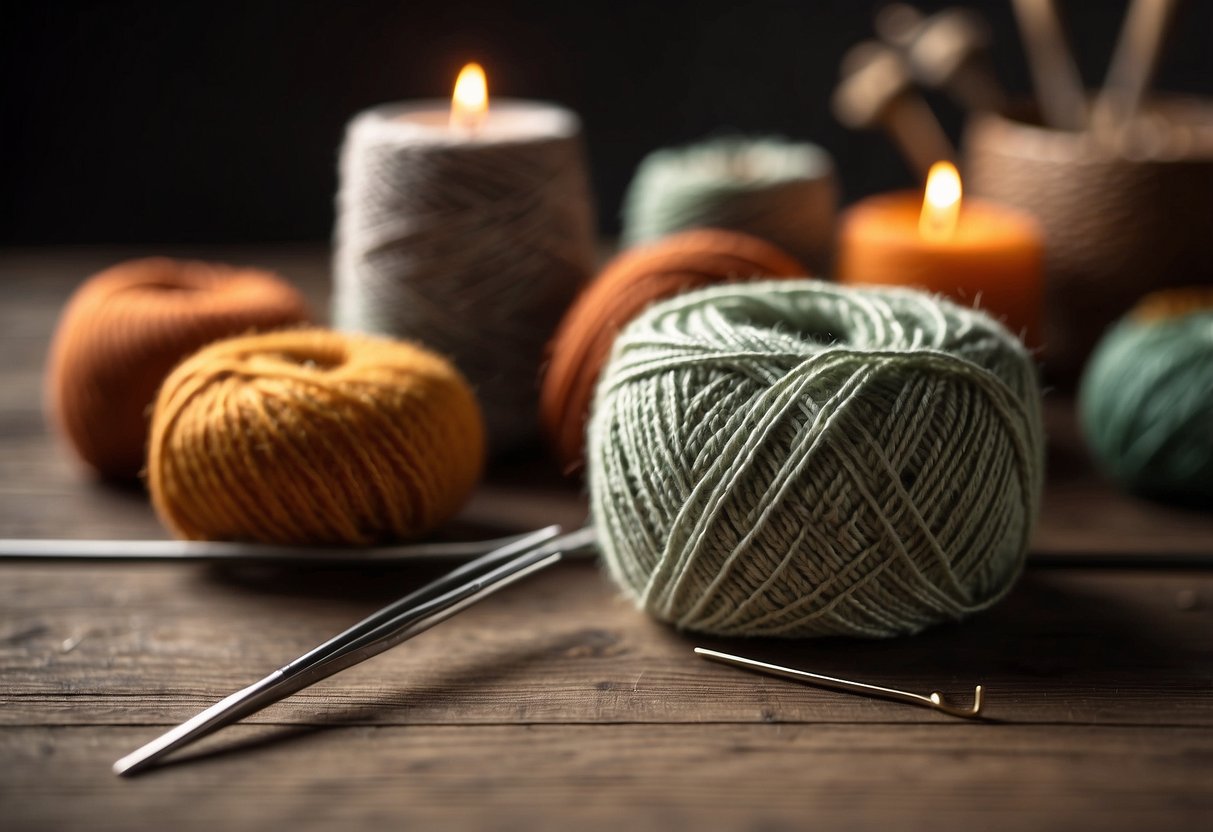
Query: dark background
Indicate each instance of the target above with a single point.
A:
(162, 122)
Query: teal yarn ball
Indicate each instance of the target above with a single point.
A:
(1146, 400)
(797, 459)
(778, 190)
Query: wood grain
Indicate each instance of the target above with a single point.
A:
(153, 645)
(588, 777)
(556, 704)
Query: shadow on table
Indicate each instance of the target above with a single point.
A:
(362, 582)
(1060, 636)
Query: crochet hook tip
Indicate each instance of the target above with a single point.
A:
(965, 713)
(935, 700)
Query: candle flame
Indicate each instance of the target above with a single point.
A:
(470, 101)
(941, 203)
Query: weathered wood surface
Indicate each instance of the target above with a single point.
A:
(555, 704)
(153, 645)
(633, 777)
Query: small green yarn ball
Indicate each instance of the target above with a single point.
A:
(797, 459)
(778, 190)
(1146, 401)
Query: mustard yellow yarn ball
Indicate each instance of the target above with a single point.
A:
(311, 436)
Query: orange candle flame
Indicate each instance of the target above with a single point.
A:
(470, 101)
(941, 203)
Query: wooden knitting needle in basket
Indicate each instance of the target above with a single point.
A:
(1059, 89)
(395, 623)
(1133, 63)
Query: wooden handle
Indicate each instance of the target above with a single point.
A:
(917, 133)
(876, 90)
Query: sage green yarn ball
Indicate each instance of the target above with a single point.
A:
(1146, 405)
(796, 459)
(778, 190)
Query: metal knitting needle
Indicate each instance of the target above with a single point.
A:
(390, 626)
(935, 701)
(206, 551)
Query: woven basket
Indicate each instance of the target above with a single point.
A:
(1118, 224)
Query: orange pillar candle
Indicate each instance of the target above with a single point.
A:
(975, 252)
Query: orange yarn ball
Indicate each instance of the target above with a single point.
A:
(125, 328)
(626, 286)
(311, 436)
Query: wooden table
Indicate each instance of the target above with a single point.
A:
(555, 704)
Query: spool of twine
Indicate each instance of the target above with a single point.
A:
(473, 248)
(797, 459)
(774, 189)
(1146, 398)
(311, 436)
(125, 328)
(629, 283)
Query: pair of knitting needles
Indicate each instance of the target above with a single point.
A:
(432, 604)
(413, 614)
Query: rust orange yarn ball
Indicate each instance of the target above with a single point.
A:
(123, 331)
(625, 287)
(311, 436)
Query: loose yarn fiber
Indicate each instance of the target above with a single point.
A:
(1146, 398)
(797, 459)
(311, 436)
(780, 191)
(474, 248)
(629, 283)
(125, 328)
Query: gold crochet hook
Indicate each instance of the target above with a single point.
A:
(935, 701)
